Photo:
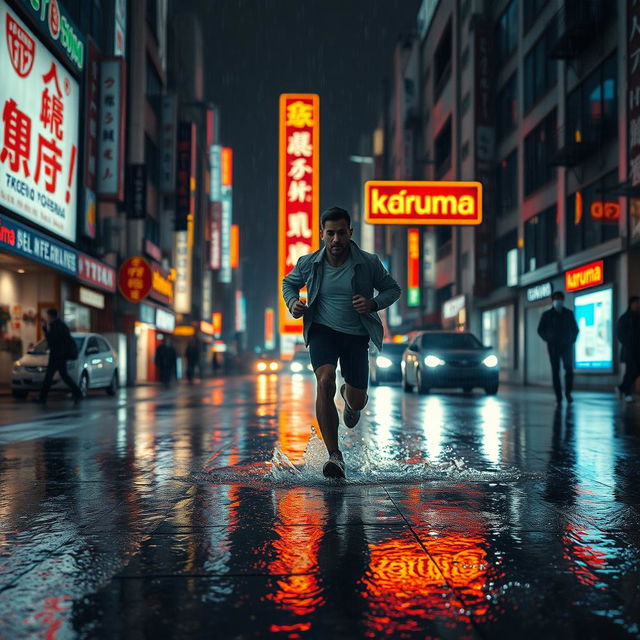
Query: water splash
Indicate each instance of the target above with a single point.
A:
(364, 465)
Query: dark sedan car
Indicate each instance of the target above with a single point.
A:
(449, 359)
(384, 366)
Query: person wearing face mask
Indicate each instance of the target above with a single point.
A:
(628, 331)
(559, 330)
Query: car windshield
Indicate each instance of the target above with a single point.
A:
(393, 348)
(450, 341)
(42, 347)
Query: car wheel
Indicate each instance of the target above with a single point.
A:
(19, 393)
(84, 384)
(113, 385)
(422, 387)
(491, 389)
(408, 388)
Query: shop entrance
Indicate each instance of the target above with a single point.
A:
(537, 366)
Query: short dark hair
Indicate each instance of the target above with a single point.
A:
(52, 313)
(633, 299)
(335, 213)
(557, 295)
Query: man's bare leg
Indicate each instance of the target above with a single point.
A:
(357, 398)
(326, 411)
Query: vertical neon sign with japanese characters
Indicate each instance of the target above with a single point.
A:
(225, 274)
(299, 194)
(39, 104)
(413, 267)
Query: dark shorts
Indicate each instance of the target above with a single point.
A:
(326, 346)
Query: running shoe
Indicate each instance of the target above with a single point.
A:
(334, 466)
(350, 416)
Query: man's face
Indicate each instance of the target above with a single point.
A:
(336, 235)
(635, 306)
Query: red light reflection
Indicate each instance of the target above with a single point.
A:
(583, 558)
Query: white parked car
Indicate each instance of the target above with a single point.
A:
(95, 368)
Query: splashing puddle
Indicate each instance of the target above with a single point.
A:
(364, 466)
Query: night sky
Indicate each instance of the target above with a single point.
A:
(258, 49)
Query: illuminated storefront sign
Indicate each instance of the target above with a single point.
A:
(215, 257)
(453, 307)
(92, 99)
(594, 345)
(413, 268)
(161, 286)
(216, 321)
(269, 329)
(92, 298)
(111, 130)
(135, 279)
(605, 210)
(120, 28)
(241, 312)
(539, 292)
(207, 283)
(224, 274)
(400, 202)
(215, 163)
(299, 175)
(235, 246)
(165, 320)
(183, 241)
(589, 275)
(96, 273)
(215, 209)
(185, 175)
(57, 26)
(206, 327)
(39, 103)
(24, 241)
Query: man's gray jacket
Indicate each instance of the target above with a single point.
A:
(368, 274)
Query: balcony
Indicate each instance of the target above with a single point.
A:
(578, 24)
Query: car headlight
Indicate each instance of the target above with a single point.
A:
(274, 366)
(433, 361)
(296, 367)
(383, 363)
(261, 366)
(490, 361)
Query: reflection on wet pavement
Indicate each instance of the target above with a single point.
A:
(202, 512)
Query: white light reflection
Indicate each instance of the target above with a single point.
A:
(121, 435)
(383, 410)
(491, 413)
(433, 422)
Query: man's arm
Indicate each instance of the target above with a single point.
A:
(388, 289)
(574, 328)
(542, 327)
(291, 285)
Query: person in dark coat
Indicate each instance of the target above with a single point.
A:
(559, 330)
(166, 361)
(61, 349)
(628, 330)
(192, 354)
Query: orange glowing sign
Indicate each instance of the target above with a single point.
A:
(227, 164)
(589, 275)
(299, 171)
(235, 246)
(400, 202)
(413, 267)
(269, 329)
(135, 279)
(605, 210)
(216, 321)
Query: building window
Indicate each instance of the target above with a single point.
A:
(531, 11)
(540, 239)
(443, 150)
(592, 108)
(539, 149)
(540, 70)
(507, 184)
(507, 107)
(502, 247)
(593, 214)
(442, 61)
(507, 32)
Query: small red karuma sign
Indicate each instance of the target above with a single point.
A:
(421, 202)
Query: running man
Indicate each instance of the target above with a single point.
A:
(339, 320)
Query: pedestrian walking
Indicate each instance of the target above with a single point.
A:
(62, 347)
(192, 354)
(559, 330)
(166, 361)
(628, 330)
(339, 319)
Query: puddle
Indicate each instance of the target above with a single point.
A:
(364, 466)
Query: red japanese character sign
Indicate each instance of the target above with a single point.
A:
(135, 279)
(299, 180)
(39, 104)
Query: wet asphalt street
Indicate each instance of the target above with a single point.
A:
(201, 512)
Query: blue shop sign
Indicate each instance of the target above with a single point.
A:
(26, 242)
